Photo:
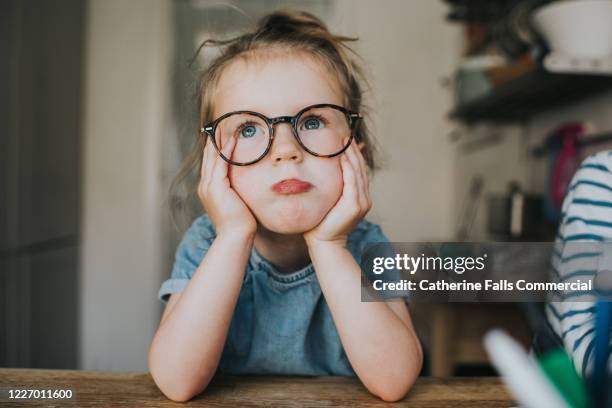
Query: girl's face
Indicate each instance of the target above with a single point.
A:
(281, 85)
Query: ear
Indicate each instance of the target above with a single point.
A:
(361, 146)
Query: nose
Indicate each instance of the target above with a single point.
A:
(285, 146)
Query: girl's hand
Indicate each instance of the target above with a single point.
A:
(226, 209)
(353, 205)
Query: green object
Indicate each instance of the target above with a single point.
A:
(561, 372)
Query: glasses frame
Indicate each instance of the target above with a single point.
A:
(352, 117)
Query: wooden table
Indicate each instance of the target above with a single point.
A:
(97, 389)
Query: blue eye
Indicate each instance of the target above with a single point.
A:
(312, 123)
(248, 131)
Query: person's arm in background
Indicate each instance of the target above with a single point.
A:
(187, 346)
(586, 217)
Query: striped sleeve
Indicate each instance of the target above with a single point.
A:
(586, 218)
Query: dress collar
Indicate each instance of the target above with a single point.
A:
(261, 263)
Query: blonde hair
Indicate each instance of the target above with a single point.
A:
(293, 31)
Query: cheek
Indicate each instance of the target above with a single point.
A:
(244, 181)
(330, 179)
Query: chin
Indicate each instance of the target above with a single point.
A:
(293, 218)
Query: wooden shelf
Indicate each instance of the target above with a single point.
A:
(529, 94)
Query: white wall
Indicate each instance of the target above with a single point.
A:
(409, 48)
(498, 155)
(510, 159)
(126, 92)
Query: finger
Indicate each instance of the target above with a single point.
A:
(208, 160)
(364, 173)
(362, 164)
(365, 186)
(203, 163)
(350, 154)
(350, 191)
(205, 171)
(221, 166)
(354, 160)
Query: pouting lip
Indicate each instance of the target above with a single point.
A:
(291, 186)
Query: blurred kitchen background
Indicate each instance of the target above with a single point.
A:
(481, 121)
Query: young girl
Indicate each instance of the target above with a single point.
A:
(268, 280)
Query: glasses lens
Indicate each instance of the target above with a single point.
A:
(250, 132)
(324, 131)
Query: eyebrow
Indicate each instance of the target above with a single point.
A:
(288, 112)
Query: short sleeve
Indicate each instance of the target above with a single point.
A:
(365, 234)
(189, 254)
(368, 240)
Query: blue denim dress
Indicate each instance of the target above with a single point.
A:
(282, 323)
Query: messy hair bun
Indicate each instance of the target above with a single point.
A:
(290, 21)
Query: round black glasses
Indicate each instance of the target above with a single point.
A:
(323, 130)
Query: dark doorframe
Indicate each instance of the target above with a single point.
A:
(41, 65)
